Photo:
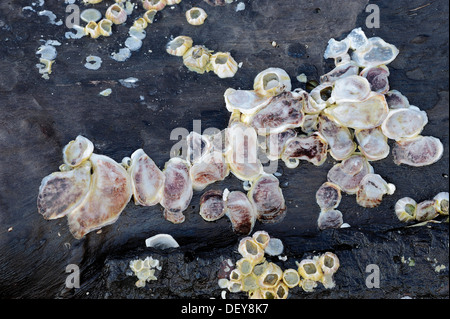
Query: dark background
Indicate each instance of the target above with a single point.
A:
(38, 117)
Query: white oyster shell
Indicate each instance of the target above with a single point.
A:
(371, 190)
(372, 143)
(374, 53)
(339, 138)
(404, 123)
(244, 101)
(352, 88)
(418, 151)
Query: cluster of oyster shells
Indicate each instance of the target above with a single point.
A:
(407, 209)
(261, 279)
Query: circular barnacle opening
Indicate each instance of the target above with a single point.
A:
(262, 238)
(410, 209)
(149, 15)
(281, 291)
(259, 269)
(176, 43)
(195, 13)
(245, 266)
(271, 279)
(270, 81)
(116, 10)
(251, 248)
(269, 294)
(310, 268)
(328, 262)
(221, 58)
(325, 93)
(291, 277)
(234, 287)
(235, 275)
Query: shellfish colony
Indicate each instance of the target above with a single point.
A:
(144, 270)
(261, 279)
(407, 209)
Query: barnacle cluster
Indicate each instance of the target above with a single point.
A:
(407, 209)
(144, 270)
(198, 58)
(262, 279)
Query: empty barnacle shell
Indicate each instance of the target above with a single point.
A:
(249, 283)
(329, 263)
(77, 151)
(418, 151)
(396, 100)
(336, 49)
(249, 249)
(328, 196)
(349, 173)
(147, 180)
(161, 241)
(140, 23)
(91, 14)
(109, 193)
(61, 192)
(405, 209)
(245, 266)
(362, 114)
(241, 212)
(375, 52)
(197, 58)
(196, 16)
(371, 190)
(271, 276)
(308, 285)
(338, 137)
(262, 238)
(309, 268)
(177, 193)
(244, 101)
(311, 148)
(404, 123)
(235, 286)
(267, 293)
(116, 14)
(442, 203)
(258, 269)
(149, 15)
(340, 71)
(352, 88)
(320, 97)
(330, 219)
(223, 64)
(209, 169)
(235, 275)
(372, 143)
(105, 27)
(212, 205)
(267, 197)
(377, 77)
(157, 5)
(281, 290)
(272, 81)
(426, 210)
(92, 29)
(291, 277)
(179, 45)
(275, 247)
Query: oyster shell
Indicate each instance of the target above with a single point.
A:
(196, 16)
(109, 193)
(209, 169)
(339, 138)
(426, 210)
(372, 143)
(244, 101)
(272, 81)
(341, 71)
(374, 53)
(418, 151)
(223, 65)
(177, 193)
(330, 219)
(179, 45)
(336, 49)
(442, 203)
(396, 100)
(61, 192)
(371, 190)
(77, 151)
(357, 39)
(352, 88)
(212, 205)
(377, 77)
(349, 173)
(405, 209)
(147, 180)
(197, 146)
(404, 123)
(241, 212)
(311, 148)
(328, 196)
(267, 197)
(275, 143)
(360, 115)
(320, 97)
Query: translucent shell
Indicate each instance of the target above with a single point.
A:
(442, 203)
(281, 291)
(291, 278)
(212, 205)
(371, 190)
(116, 14)
(244, 101)
(197, 146)
(418, 151)
(157, 5)
(196, 16)
(404, 123)
(396, 100)
(241, 213)
(372, 143)
(197, 58)
(311, 148)
(209, 169)
(274, 247)
(149, 15)
(330, 219)
(161, 241)
(349, 173)
(374, 53)
(91, 14)
(310, 269)
(352, 88)
(360, 115)
(249, 249)
(405, 209)
(147, 180)
(310, 123)
(92, 29)
(177, 193)
(426, 210)
(77, 151)
(308, 285)
(105, 27)
(249, 283)
(320, 97)
(262, 238)
(281, 113)
(271, 276)
(223, 65)
(336, 49)
(357, 39)
(377, 77)
(328, 196)
(267, 197)
(61, 192)
(339, 138)
(271, 82)
(179, 45)
(245, 266)
(109, 193)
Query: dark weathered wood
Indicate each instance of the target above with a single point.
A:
(38, 117)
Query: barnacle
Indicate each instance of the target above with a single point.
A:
(223, 64)
(140, 24)
(179, 45)
(91, 14)
(149, 15)
(249, 283)
(172, 2)
(249, 249)
(426, 210)
(442, 203)
(244, 101)
(92, 29)
(328, 196)
(196, 16)
(116, 14)
(271, 276)
(271, 82)
(371, 190)
(405, 209)
(312, 148)
(77, 151)
(147, 180)
(404, 123)
(308, 285)
(157, 5)
(105, 27)
(329, 263)
(144, 270)
(291, 278)
(212, 205)
(241, 212)
(372, 143)
(309, 268)
(418, 151)
(262, 238)
(245, 266)
(197, 58)
(281, 291)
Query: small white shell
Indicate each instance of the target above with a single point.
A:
(376, 52)
(338, 137)
(442, 203)
(377, 77)
(405, 209)
(196, 16)
(91, 14)
(116, 14)
(275, 247)
(271, 82)
(179, 45)
(161, 241)
(330, 219)
(262, 238)
(92, 29)
(223, 64)
(310, 269)
(77, 151)
(404, 123)
(336, 49)
(357, 39)
(291, 277)
(271, 276)
(328, 196)
(249, 248)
